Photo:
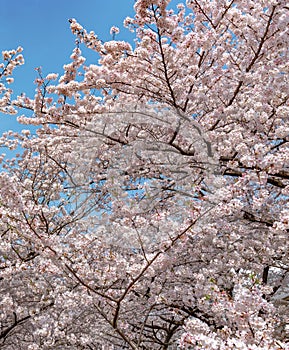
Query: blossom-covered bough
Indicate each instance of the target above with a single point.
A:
(150, 208)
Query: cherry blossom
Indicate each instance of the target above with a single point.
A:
(148, 205)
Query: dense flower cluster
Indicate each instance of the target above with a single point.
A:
(11, 59)
(150, 208)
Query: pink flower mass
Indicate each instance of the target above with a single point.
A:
(148, 207)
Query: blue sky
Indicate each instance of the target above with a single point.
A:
(41, 27)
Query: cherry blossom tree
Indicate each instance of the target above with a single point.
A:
(149, 210)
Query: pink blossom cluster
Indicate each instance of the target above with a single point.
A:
(149, 209)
